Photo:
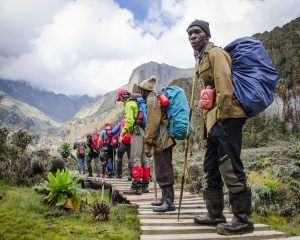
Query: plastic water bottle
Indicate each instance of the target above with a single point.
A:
(163, 99)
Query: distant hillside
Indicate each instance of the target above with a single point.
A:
(92, 116)
(57, 106)
(164, 73)
(15, 114)
(283, 46)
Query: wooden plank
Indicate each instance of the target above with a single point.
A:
(194, 211)
(174, 216)
(210, 236)
(186, 206)
(288, 238)
(197, 201)
(150, 197)
(189, 229)
(169, 222)
(184, 202)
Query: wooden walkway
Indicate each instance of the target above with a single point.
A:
(164, 226)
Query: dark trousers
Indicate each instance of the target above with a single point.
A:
(164, 167)
(122, 149)
(222, 157)
(108, 158)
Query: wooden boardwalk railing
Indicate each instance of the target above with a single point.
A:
(164, 226)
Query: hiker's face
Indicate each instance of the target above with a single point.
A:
(197, 37)
(144, 94)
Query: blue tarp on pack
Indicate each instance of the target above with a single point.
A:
(253, 74)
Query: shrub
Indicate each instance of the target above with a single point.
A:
(22, 138)
(63, 189)
(64, 150)
(56, 164)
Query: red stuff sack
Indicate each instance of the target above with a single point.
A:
(207, 98)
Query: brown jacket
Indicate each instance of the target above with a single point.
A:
(214, 69)
(156, 135)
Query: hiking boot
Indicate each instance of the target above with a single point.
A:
(160, 201)
(241, 222)
(145, 184)
(168, 204)
(214, 204)
(135, 189)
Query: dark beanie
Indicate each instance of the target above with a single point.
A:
(202, 24)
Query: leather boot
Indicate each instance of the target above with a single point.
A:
(135, 189)
(168, 204)
(160, 201)
(215, 204)
(241, 208)
(136, 186)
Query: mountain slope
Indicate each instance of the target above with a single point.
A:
(57, 106)
(91, 117)
(15, 114)
(164, 73)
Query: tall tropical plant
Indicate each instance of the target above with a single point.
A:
(63, 190)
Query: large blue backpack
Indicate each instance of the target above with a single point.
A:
(253, 74)
(142, 116)
(178, 112)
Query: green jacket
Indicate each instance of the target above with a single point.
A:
(156, 126)
(214, 69)
(131, 113)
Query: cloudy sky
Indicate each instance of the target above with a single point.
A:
(92, 46)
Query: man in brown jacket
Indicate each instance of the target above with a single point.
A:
(158, 141)
(223, 130)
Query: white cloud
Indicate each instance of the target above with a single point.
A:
(92, 46)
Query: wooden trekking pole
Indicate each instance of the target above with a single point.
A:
(154, 181)
(187, 141)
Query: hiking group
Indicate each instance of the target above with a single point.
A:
(153, 121)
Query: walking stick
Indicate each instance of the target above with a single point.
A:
(155, 182)
(187, 141)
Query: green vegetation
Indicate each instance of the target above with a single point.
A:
(24, 216)
(64, 150)
(63, 190)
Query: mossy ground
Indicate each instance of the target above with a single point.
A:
(24, 216)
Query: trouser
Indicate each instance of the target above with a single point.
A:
(222, 157)
(89, 159)
(81, 164)
(164, 167)
(121, 150)
(137, 147)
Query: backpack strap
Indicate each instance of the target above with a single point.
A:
(161, 126)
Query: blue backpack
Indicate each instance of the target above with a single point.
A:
(253, 74)
(178, 112)
(142, 116)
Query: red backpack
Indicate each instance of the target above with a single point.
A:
(95, 140)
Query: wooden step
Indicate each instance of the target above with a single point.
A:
(287, 238)
(169, 222)
(173, 216)
(147, 230)
(209, 236)
(184, 202)
(194, 211)
(186, 206)
(189, 201)
(150, 197)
